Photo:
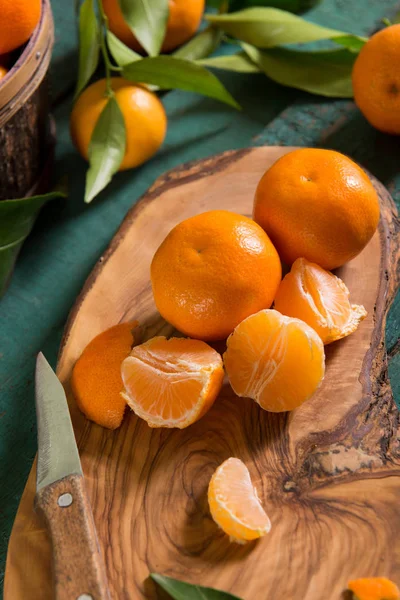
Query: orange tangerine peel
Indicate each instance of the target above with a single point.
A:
(320, 299)
(234, 503)
(172, 382)
(374, 588)
(96, 377)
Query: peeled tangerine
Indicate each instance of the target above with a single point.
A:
(276, 360)
(374, 588)
(320, 299)
(234, 504)
(172, 383)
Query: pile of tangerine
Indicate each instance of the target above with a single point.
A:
(215, 277)
(18, 20)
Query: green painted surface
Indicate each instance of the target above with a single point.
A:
(69, 237)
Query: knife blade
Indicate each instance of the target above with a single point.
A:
(57, 451)
(79, 572)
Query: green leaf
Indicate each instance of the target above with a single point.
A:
(180, 590)
(269, 27)
(351, 42)
(148, 21)
(327, 72)
(239, 62)
(16, 221)
(106, 149)
(124, 55)
(201, 45)
(121, 53)
(169, 72)
(89, 46)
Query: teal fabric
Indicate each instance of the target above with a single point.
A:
(69, 236)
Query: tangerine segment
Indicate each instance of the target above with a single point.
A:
(234, 503)
(277, 361)
(96, 377)
(374, 588)
(172, 383)
(320, 299)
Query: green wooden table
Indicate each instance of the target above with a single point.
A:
(69, 236)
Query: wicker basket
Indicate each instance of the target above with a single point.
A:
(27, 136)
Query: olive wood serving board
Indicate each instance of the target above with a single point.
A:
(328, 473)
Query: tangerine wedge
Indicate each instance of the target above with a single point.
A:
(374, 588)
(234, 503)
(276, 360)
(320, 299)
(172, 382)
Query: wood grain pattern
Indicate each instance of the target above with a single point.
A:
(78, 567)
(328, 473)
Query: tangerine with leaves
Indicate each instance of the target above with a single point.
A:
(17, 23)
(234, 503)
(183, 21)
(144, 116)
(277, 361)
(320, 299)
(172, 382)
(317, 204)
(212, 271)
(376, 80)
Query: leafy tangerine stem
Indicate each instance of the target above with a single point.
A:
(107, 63)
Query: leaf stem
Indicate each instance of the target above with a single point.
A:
(103, 46)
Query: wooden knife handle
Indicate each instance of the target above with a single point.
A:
(79, 572)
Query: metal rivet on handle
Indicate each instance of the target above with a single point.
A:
(85, 597)
(63, 501)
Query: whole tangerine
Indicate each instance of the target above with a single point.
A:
(376, 80)
(3, 72)
(144, 115)
(183, 22)
(212, 271)
(18, 20)
(317, 204)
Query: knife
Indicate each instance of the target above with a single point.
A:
(78, 568)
